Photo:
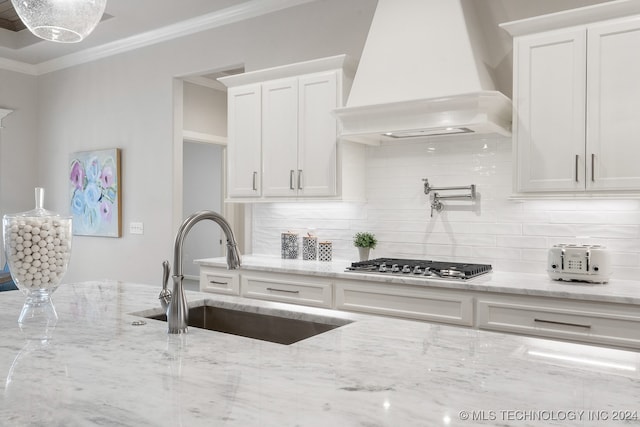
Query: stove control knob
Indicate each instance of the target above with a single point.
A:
(417, 270)
(395, 268)
(406, 269)
(382, 268)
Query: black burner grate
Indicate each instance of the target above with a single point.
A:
(416, 267)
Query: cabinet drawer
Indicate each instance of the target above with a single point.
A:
(313, 292)
(219, 281)
(611, 324)
(406, 301)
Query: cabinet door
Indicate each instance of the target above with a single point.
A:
(243, 151)
(613, 105)
(585, 321)
(219, 281)
(317, 140)
(280, 137)
(287, 288)
(413, 302)
(549, 114)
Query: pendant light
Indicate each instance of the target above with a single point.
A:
(63, 21)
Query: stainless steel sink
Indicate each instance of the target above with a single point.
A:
(268, 325)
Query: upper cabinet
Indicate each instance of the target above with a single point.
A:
(613, 106)
(576, 103)
(244, 121)
(549, 111)
(282, 142)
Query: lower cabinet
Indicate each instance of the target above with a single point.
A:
(592, 322)
(219, 280)
(303, 290)
(413, 302)
(584, 321)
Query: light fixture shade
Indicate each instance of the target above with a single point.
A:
(64, 21)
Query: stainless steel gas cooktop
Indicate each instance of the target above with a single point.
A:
(420, 268)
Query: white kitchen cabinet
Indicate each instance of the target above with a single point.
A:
(299, 136)
(583, 321)
(303, 290)
(219, 280)
(613, 105)
(280, 137)
(244, 129)
(549, 111)
(576, 108)
(413, 302)
(317, 133)
(294, 133)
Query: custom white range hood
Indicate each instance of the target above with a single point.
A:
(422, 74)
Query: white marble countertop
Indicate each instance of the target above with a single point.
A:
(100, 370)
(617, 291)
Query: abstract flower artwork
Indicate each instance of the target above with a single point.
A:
(94, 178)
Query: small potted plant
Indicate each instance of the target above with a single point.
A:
(364, 241)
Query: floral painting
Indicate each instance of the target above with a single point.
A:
(94, 178)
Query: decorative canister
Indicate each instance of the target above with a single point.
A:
(289, 248)
(324, 251)
(38, 247)
(309, 247)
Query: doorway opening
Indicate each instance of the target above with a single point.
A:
(200, 118)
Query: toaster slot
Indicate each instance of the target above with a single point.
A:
(587, 257)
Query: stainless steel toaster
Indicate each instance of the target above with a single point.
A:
(584, 263)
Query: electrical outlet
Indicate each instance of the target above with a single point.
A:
(136, 228)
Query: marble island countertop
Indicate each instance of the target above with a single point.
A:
(616, 291)
(99, 369)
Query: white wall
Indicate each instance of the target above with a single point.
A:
(511, 235)
(205, 109)
(126, 101)
(18, 168)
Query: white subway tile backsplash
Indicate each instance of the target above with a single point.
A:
(487, 254)
(595, 217)
(623, 245)
(524, 242)
(624, 259)
(512, 235)
(596, 231)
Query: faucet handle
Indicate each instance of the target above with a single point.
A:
(165, 293)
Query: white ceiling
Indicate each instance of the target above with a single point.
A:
(130, 24)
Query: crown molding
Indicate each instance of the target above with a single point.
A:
(18, 67)
(573, 17)
(233, 14)
(203, 81)
(4, 113)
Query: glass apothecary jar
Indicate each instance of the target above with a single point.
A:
(37, 245)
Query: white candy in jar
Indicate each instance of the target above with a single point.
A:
(40, 247)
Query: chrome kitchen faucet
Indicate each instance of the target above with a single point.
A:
(176, 302)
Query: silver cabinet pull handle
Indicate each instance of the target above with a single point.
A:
(283, 290)
(291, 173)
(577, 161)
(553, 322)
(255, 181)
(299, 179)
(218, 283)
(593, 164)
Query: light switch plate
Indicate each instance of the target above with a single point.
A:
(136, 228)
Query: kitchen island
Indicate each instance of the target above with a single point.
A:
(99, 369)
